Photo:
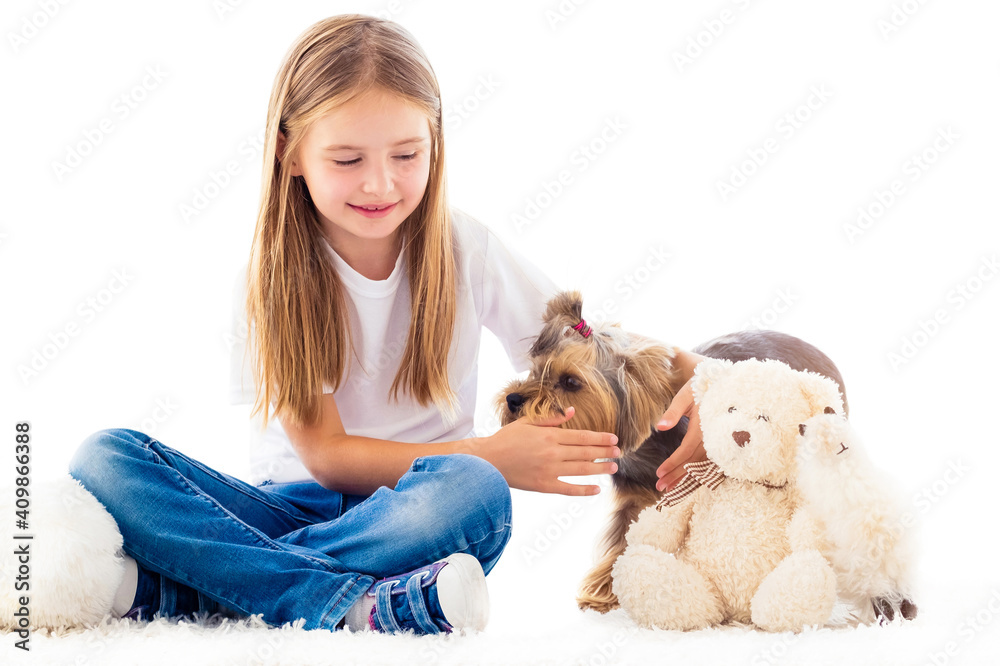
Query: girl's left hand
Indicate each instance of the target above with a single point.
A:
(692, 448)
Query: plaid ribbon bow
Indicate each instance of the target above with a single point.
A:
(704, 473)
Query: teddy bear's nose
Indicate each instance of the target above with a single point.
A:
(741, 437)
(802, 428)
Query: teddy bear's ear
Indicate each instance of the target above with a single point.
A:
(822, 393)
(705, 374)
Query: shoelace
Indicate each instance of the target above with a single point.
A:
(414, 598)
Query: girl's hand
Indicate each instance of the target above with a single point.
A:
(532, 456)
(692, 448)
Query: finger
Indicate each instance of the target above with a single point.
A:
(681, 455)
(555, 419)
(588, 438)
(670, 480)
(587, 468)
(590, 453)
(681, 405)
(692, 449)
(572, 489)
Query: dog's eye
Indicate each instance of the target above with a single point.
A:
(763, 417)
(732, 409)
(570, 383)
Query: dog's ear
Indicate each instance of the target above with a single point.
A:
(822, 393)
(705, 374)
(646, 376)
(562, 310)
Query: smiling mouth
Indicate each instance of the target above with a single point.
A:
(374, 208)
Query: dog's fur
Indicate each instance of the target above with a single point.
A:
(622, 382)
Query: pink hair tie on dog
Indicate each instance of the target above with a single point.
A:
(582, 328)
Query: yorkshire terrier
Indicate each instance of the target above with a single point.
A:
(621, 382)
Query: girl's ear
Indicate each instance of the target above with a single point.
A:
(280, 151)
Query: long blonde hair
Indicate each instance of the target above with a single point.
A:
(296, 305)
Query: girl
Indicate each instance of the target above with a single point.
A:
(364, 295)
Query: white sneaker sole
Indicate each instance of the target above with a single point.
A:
(462, 593)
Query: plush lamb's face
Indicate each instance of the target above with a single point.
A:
(825, 439)
(750, 415)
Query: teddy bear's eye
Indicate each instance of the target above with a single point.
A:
(763, 417)
(732, 409)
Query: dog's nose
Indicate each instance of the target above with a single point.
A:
(514, 401)
(802, 428)
(741, 437)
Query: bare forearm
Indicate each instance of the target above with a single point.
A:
(356, 465)
(686, 362)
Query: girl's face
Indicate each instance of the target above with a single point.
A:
(366, 165)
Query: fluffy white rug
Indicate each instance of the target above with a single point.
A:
(947, 632)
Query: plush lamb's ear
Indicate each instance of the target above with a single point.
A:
(705, 374)
(562, 310)
(822, 393)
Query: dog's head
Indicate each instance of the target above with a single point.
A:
(618, 382)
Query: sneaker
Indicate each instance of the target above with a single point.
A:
(147, 596)
(443, 596)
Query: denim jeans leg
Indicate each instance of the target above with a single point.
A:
(212, 533)
(442, 505)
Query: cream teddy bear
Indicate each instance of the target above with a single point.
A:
(867, 537)
(728, 543)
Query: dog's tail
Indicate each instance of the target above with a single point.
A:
(595, 590)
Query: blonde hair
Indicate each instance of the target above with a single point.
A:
(296, 305)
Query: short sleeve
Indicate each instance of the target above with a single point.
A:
(515, 292)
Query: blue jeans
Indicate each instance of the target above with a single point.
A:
(288, 550)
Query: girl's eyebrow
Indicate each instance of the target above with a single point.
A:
(416, 139)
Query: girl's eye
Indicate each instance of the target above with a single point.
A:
(348, 162)
(406, 158)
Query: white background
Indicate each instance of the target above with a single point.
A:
(155, 357)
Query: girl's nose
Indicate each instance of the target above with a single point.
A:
(377, 179)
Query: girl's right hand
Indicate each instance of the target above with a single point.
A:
(532, 456)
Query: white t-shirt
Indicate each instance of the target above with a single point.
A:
(496, 288)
